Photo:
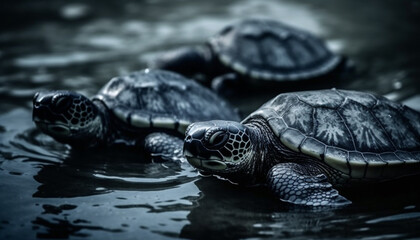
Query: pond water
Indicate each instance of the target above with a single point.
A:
(49, 191)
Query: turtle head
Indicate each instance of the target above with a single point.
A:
(217, 146)
(68, 117)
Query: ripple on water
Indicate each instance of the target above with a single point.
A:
(20, 139)
(65, 60)
(83, 193)
(86, 173)
(394, 218)
(66, 173)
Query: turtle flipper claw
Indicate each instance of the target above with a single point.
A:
(164, 147)
(226, 85)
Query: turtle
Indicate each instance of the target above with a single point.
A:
(255, 51)
(148, 109)
(305, 146)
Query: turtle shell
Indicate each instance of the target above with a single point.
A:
(270, 50)
(361, 135)
(162, 99)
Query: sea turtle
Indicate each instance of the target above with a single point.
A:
(257, 50)
(149, 108)
(304, 144)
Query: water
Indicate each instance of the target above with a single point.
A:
(49, 191)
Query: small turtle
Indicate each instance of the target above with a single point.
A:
(257, 50)
(304, 144)
(150, 108)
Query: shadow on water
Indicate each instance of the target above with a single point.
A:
(65, 229)
(226, 211)
(76, 192)
(90, 173)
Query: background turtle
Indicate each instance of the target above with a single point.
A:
(148, 109)
(304, 144)
(257, 50)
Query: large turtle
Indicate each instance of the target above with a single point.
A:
(304, 144)
(149, 109)
(257, 50)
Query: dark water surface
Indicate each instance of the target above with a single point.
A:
(48, 191)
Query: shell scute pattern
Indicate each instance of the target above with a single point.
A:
(359, 134)
(373, 158)
(255, 28)
(389, 156)
(114, 87)
(367, 131)
(358, 164)
(413, 119)
(328, 99)
(337, 158)
(270, 50)
(313, 147)
(299, 116)
(365, 99)
(331, 128)
(356, 157)
(249, 51)
(375, 165)
(276, 54)
(406, 156)
(292, 139)
(279, 123)
(398, 128)
(273, 112)
(314, 43)
(281, 103)
(302, 54)
(159, 99)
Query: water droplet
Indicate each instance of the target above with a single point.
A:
(74, 11)
(397, 85)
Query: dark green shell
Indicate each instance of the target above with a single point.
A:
(360, 134)
(156, 98)
(270, 50)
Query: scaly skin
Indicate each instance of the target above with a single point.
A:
(71, 118)
(267, 161)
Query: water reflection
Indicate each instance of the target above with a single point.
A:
(91, 175)
(87, 193)
(238, 212)
(219, 216)
(20, 140)
(62, 228)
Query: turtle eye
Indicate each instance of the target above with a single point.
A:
(218, 138)
(62, 103)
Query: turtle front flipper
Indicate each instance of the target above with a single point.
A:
(164, 147)
(293, 183)
(226, 84)
(188, 61)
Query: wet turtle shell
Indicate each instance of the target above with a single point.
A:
(161, 99)
(363, 136)
(270, 50)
